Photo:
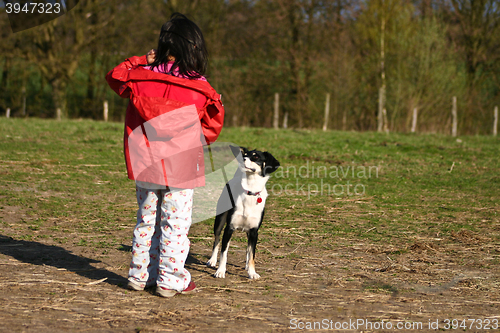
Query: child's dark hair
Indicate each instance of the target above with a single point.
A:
(182, 39)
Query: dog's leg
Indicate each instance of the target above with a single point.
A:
(221, 271)
(252, 235)
(218, 225)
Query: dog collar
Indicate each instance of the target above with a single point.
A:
(252, 193)
(259, 199)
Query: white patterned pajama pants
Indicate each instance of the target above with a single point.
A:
(161, 245)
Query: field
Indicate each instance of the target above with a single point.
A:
(363, 232)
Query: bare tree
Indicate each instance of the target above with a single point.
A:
(479, 22)
(58, 45)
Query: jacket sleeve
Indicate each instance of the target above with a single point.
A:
(213, 120)
(118, 77)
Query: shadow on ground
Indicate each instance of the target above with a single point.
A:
(40, 254)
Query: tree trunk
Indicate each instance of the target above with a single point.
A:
(59, 96)
(89, 109)
(4, 85)
(344, 120)
(5, 72)
(381, 97)
(276, 110)
(90, 79)
(495, 121)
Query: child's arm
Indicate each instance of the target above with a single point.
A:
(117, 78)
(212, 121)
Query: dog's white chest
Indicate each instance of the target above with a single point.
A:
(248, 212)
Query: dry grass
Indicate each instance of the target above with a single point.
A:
(421, 245)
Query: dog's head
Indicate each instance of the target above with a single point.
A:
(255, 161)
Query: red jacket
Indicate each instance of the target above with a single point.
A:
(168, 121)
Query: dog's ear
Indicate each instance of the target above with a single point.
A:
(270, 164)
(237, 150)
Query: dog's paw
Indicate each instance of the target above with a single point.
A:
(253, 276)
(220, 274)
(212, 263)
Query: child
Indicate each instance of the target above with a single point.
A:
(173, 111)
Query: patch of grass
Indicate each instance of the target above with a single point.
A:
(69, 176)
(376, 286)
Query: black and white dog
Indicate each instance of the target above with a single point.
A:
(241, 206)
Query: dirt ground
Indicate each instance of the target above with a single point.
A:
(309, 282)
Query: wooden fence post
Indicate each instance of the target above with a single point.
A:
(495, 121)
(7, 113)
(386, 123)
(414, 121)
(285, 121)
(380, 116)
(454, 117)
(58, 113)
(327, 112)
(105, 110)
(276, 110)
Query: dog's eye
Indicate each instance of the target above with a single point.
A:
(254, 158)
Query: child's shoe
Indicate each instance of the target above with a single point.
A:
(190, 288)
(132, 285)
(165, 292)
